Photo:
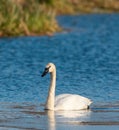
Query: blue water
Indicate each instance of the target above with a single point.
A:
(86, 55)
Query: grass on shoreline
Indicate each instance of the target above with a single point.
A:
(27, 18)
(37, 17)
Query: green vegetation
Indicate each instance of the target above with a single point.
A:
(86, 6)
(22, 17)
(37, 17)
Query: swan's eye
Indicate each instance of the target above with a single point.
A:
(46, 71)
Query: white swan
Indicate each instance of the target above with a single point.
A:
(63, 101)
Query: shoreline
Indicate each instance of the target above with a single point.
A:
(40, 18)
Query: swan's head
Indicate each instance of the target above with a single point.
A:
(50, 67)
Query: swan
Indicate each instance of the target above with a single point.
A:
(63, 101)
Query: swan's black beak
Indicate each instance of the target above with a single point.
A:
(45, 72)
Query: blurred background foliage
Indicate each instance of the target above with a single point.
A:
(37, 17)
(22, 17)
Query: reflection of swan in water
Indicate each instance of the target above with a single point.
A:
(73, 114)
(63, 101)
(56, 117)
(51, 120)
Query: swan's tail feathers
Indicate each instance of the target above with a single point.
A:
(89, 103)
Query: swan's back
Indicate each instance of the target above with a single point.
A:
(71, 102)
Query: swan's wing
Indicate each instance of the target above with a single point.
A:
(71, 102)
(61, 96)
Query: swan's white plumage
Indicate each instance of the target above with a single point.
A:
(71, 102)
(63, 101)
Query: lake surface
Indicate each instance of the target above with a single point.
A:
(86, 55)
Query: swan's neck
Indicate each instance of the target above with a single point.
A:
(51, 93)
